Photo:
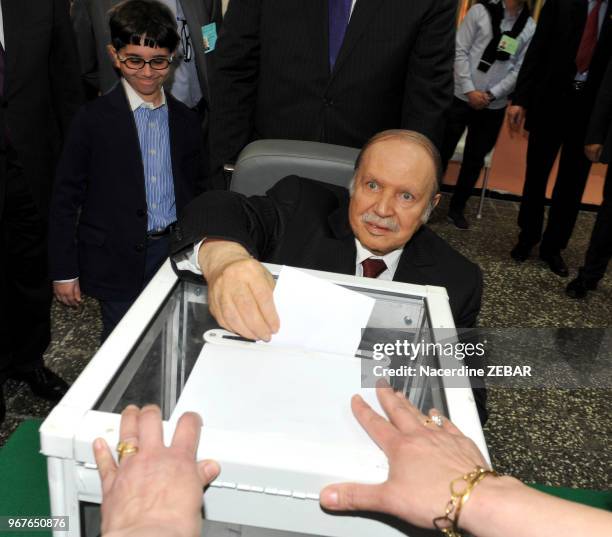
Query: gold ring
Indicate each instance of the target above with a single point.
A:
(427, 421)
(125, 448)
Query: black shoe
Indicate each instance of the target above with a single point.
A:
(579, 288)
(520, 252)
(44, 383)
(2, 405)
(457, 218)
(555, 263)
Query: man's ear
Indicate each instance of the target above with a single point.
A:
(112, 53)
(435, 200)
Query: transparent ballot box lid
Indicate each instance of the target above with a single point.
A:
(277, 419)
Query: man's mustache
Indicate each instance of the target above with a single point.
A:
(389, 223)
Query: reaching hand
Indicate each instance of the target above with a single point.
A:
(157, 490)
(239, 290)
(423, 460)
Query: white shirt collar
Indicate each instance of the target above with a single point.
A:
(136, 101)
(391, 260)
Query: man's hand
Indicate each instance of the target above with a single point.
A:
(593, 152)
(68, 293)
(239, 290)
(478, 99)
(516, 119)
(423, 460)
(156, 491)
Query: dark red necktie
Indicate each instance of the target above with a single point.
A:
(589, 39)
(372, 268)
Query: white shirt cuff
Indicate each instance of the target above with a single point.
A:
(66, 281)
(188, 260)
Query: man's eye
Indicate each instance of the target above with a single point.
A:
(407, 196)
(371, 185)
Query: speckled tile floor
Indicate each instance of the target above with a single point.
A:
(557, 437)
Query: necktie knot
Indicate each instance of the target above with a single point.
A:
(372, 268)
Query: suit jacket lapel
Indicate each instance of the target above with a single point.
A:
(338, 253)
(13, 17)
(175, 132)
(317, 17)
(126, 133)
(361, 18)
(413, 260)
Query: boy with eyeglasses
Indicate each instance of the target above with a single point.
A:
(132, 161)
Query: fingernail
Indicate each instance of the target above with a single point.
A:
(211, 470)
(331, 498)
(98, 445)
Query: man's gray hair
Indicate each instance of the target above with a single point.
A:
(417, 139)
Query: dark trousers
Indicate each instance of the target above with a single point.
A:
(567, 132)
(600, 247)
(483, 128)
(114, 310)
(25, 290)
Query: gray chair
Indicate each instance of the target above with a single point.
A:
(262, 163)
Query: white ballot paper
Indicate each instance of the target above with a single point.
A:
(318, 315)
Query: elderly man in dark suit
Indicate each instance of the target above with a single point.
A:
(39, 93)
(598, 149)
(554, 95)
(333, 71)
(377, 231)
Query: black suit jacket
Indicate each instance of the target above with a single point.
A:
(304, 223)
(100, 182)
(271, 78)
(549, 68)
(600, 127)
(90, 19)
(42, 91)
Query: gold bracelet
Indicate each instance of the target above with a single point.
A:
(450, 526)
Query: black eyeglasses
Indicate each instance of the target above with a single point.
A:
(185, 41)
(159, 63)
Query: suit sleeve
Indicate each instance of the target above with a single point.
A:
(601, 116)
(68, 196)
(65, 82)
(256, 222)
(528, 79)
(233, 84)
(428, 88)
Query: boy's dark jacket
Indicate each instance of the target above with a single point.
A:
(101, 174)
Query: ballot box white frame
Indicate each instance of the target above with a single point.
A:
(66, 436)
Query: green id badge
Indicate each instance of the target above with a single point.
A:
(508, 44)
(209, 37)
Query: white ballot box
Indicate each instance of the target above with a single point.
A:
(277, 419)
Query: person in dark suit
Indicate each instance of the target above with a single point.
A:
(188, 83)
(598, 148)
(377, 231)
(334, 71)
(39, 94)
(554, 94)
(308, 224)
(132, 161)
